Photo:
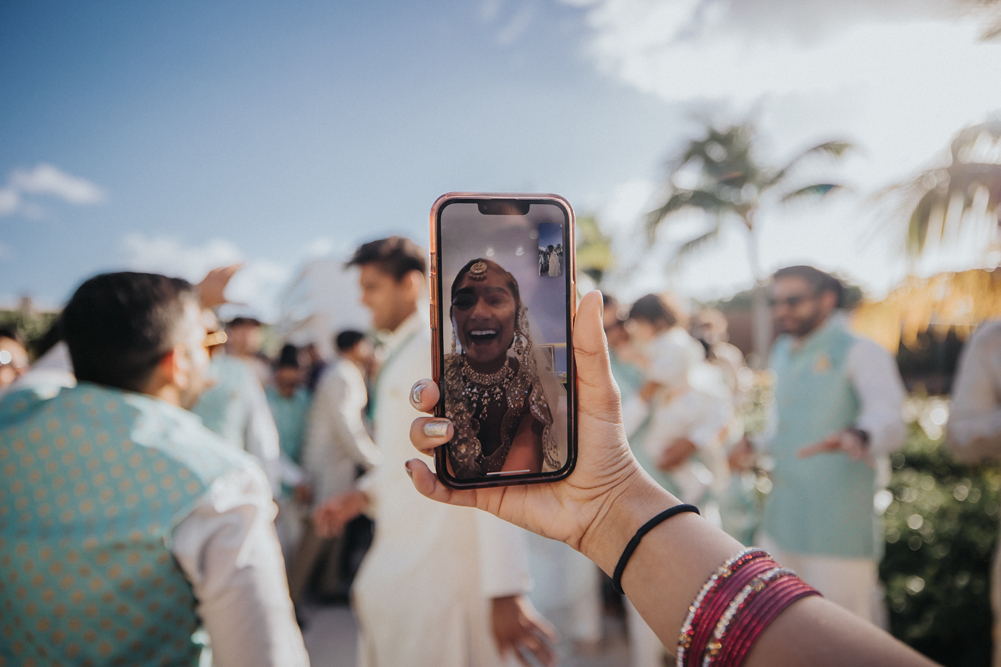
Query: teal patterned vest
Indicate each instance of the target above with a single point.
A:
(821, 505)
(225, 406)
(92, 481)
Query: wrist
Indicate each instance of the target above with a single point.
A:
(638, 499)
(861, 434)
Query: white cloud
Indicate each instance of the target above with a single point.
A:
(516, 26)
(10, 201)
(258, 284)
(897, 77)
(897, 80)
(45, 180)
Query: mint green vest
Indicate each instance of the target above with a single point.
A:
(821, 505)
(290, 419)
(92, 481)
(225, 406)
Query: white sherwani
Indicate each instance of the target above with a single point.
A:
(336, 441)
(422, 596)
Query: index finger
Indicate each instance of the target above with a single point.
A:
(819, 448)
(424, 395)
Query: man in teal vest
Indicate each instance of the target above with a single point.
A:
(124, 522)
(837, 414)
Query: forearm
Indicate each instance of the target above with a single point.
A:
(819, 633)
(974, 437)
(229, 552)
(674, 560)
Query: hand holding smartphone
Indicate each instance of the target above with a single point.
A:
(503, 299)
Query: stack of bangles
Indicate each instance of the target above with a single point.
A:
(734, 607)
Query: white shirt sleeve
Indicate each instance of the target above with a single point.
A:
(262, 437)
(881, 392)
(974, 430)
(503, 557)
(336, 439)
(228, 550)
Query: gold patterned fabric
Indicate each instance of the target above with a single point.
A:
(92, 482)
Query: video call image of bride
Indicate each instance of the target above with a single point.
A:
(500, 391)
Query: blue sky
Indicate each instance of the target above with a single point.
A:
(175, 136)
(275, 128)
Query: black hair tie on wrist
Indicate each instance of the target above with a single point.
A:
(635, 542)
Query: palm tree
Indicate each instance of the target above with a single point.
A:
(594, 249)
(940, 200)
(730, 184)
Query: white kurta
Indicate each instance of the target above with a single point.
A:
(336, 440)
(423, 593)
(974, 431)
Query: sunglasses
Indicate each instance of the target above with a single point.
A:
(791, 301)
(215, 338)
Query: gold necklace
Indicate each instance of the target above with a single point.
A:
(488, 379)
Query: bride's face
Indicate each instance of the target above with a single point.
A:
(483, 314)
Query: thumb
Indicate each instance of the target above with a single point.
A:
(597, 391)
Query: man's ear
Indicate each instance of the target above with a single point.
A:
(169, 368)
(415, 286)
(829, 300)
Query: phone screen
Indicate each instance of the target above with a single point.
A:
(505, 297)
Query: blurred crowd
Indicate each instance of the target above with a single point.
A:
(331, 436)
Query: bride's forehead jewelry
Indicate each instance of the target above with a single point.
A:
(478, 271)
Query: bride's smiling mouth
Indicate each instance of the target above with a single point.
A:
(482, 336)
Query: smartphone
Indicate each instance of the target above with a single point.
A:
(503, 300)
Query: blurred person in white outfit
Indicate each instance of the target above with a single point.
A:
(689, 407)
(337, 446)
(676, 416)
(974, 431)
(439, 587)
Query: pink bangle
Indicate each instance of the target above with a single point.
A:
(754, 618)
(696, 611)
(774, 601)
(720, 599)
(733, 608)
(714, 647)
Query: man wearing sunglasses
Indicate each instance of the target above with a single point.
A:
(125, 524)
(837, 414)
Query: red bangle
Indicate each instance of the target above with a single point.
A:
(721, 600)
(734, 607)
(774, 601)
(705, 599)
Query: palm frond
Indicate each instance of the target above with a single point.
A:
(917, 226)
(684, 199)
(815, 190)
(690, 246)
(835, 149)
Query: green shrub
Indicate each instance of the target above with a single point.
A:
(941, 532)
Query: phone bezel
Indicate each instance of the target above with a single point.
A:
(437, 341)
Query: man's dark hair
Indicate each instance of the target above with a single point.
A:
(243, 320)
(658, 309)
(346, 340)
(396, 256)
(288, 357)
(820, 281)
(118, 326)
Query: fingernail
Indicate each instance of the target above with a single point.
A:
(406, 466)
(437, 428)
(415, 396)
